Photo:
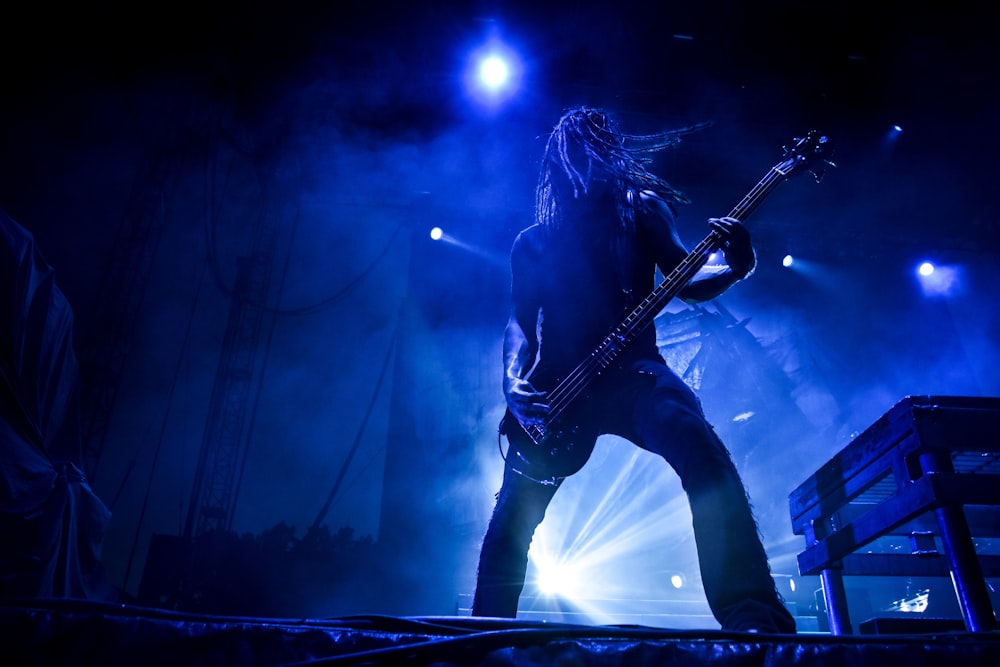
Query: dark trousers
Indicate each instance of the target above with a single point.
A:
(651, 406)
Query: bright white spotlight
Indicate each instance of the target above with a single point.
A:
(494, 72)
(937, 280)
(787, 261)
(677, 581)
(558, 579)
(437, 233)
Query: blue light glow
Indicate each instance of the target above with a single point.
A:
(599, 526)
(938, 280)
(493, 73)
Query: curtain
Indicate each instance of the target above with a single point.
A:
(51, 523)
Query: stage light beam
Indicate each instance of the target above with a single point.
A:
(579, 548)
(558, 578)
(892, 136)
(938, 280)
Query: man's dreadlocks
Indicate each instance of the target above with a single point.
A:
(588, 140)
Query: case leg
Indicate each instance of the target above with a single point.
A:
(966, 571)
(836, 601)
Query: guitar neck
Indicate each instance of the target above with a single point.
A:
(643, 315)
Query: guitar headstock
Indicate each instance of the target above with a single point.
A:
(809, 153)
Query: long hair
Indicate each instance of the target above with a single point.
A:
(587, 141)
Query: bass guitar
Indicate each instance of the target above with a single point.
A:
(562, 444)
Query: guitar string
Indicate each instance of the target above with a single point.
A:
(606, 352)
(569, 389)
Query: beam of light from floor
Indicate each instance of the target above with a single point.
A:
(608, 534)
(621, 518)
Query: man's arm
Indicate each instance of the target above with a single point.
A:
(740, 259)
(707, 283)
(520, 351)
(520, 341)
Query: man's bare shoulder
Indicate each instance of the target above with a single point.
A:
(529, 239)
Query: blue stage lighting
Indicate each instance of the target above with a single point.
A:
(893, 134)
(493, 73)
(938, 280)
(557, 577)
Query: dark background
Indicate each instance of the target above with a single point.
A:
(326, 142)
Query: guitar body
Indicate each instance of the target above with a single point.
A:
(563, 445)
(565, 448)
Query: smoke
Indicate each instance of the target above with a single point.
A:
(339, 156)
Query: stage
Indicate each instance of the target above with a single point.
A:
(71, 633)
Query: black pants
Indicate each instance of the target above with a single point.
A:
(651, 406)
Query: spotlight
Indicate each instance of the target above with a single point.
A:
(437, 233)
(938, 280)
(787, 261)
(677, 580)
(558, 579)
(892, 136)
(493, 72)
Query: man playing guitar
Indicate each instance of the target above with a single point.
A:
(603, 224)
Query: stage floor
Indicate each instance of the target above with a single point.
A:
(61, 632)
